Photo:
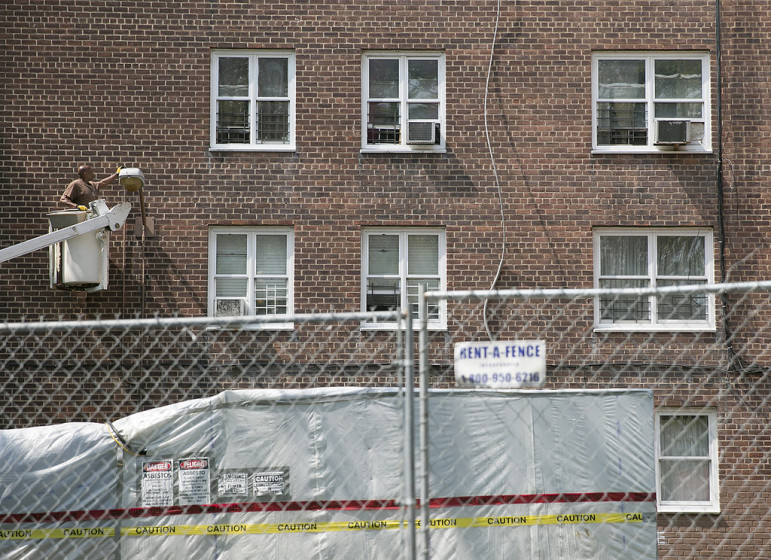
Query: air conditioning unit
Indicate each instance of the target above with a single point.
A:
(421, 132)
(672, 133)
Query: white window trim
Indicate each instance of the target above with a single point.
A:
(707, 325)
(650, 57)
(403, 147)
(435, 325)
(713, 505)
(252, 232)
(254, 55)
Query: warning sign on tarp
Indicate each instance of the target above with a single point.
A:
(233, 484)
(269, 483)
(194, 481)
(157, 484)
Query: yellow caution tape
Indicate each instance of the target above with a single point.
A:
(70, 533)
(317, 527)
(332, 526)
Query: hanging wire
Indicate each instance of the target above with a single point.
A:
(495, 170)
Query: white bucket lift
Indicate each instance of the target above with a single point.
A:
(81, 262)
(78, 245)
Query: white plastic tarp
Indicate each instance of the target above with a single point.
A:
(320, 473)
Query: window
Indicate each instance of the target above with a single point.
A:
(396, 263)
(687, 462)
(636, 258)
(403, 102)
(253, 100)
(650, 102)
(250, 272)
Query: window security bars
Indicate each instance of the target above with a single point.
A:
(233, 126)
(622, 123)
(273, 125)
(383, 124)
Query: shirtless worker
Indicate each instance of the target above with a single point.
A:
(84, 189)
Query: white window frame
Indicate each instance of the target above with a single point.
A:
(690, 506)
(254, 56)
(251, 276)
(404, 57)
(705, 146)
(654, 324)
(439, 321)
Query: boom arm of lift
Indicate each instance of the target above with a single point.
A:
(113, 219)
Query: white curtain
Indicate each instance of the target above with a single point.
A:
(685, 459)
(231, 259)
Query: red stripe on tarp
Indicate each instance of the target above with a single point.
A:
(332, 505)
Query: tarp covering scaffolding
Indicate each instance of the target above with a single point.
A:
(319, 473)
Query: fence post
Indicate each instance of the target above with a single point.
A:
(408, 354)
(423, 356)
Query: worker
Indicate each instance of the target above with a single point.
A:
(84, 189)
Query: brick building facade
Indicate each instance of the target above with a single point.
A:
(373, 119)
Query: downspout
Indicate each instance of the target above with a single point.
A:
(719, 180)
(719, 78)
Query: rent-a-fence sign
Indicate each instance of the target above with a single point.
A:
(508, 364)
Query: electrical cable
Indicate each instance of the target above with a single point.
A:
(495, 171)
(116, 437)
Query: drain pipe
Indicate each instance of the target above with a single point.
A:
(719, 78)
(732, 358)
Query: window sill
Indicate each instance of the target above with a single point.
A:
(642, 327)
(688, 509)
(396, 326)
(255, 148)
(669, 150)
(404, 150)
(261, 326)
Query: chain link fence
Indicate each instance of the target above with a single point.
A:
(556, 438)
(695, 476)
(206, 438)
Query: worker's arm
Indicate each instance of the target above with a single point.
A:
(66, 200)
(108, 180)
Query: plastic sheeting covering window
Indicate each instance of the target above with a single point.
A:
(281, 474)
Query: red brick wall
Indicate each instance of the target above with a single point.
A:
(110, 84)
